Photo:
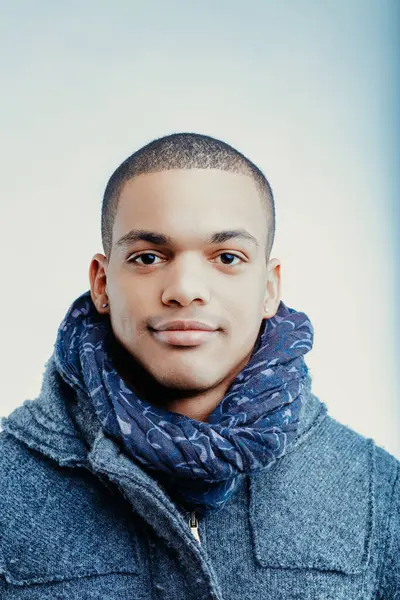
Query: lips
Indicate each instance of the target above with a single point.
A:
(190, 337)
(184, 333)
(185, 325)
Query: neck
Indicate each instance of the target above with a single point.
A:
(198, 405)
(194, 404)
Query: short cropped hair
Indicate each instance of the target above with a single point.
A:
(183, 151)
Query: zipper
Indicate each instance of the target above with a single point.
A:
(193, 521)
(194, 525)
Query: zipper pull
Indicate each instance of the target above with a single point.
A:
(194, 525)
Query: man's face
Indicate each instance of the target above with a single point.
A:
(191, 277)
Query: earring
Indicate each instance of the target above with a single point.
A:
(104, 305)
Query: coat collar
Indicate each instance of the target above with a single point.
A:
(45, 424)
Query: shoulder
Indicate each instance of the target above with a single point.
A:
(26, 472)
(356, 458)
(32, 480)
(352, 445)
(342, 441)
(36, 486)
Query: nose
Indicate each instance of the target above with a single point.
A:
(186, 281)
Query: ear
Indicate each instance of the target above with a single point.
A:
(272, 296)
(98, 282)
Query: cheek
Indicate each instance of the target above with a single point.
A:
(137, 296)
(125, 317)
(129, 300)
(244, 307)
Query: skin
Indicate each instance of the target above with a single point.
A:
(228, 284)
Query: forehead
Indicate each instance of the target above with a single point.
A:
(190, 202)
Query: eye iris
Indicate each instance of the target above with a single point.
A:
(227, 254)
(144, 258)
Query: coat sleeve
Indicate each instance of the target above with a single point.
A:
(389, 588)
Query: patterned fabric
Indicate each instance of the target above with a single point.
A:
(198, 463)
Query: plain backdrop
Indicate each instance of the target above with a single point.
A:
(308, 90)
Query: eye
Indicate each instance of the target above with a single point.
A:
(230, 256)
(146, 256)
(148, 259)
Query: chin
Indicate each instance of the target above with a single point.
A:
(183, 378)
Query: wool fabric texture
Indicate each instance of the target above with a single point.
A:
(253, 425)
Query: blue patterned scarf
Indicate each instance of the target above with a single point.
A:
(250, 429)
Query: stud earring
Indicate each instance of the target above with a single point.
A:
(104, 305)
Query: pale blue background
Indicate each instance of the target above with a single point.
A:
(308, 90)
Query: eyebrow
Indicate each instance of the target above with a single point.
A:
(159, 239)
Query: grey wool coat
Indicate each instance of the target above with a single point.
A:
(80, 520)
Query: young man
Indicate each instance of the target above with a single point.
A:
(176, 449)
